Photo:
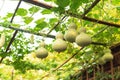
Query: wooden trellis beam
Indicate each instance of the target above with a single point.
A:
(48, 35)
(44, 5)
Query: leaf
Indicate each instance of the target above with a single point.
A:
(27, 20)
(62, 3)
(34, 9)
(15, 25)
(75, 4)
(9, 15)
(58, 9)
(53, 20)
(40, 26)
(47, 0)
(22, 12)
(39, 20)
(5, 23)
(46, 11)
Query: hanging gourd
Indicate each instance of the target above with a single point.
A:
(107, 55)
(82, 29)
(41, 52)
(2, 40)
(59, 44)
(32, 39)
(71, 33)
(101, 61)
(83, 39)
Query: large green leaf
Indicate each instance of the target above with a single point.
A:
(58, 9)
(53, 20)
(75, 4)
(62, 3)
(28, 20)
(40, 26)
(34, 9)
(22, 12)
(46, 11)
(39, 20)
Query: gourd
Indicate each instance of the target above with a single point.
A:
(82, 29)
(72, 26)
(101, 61)
(59, 44)
(41, 52)
(83, 39)
(32, 39)
(71, 33)
(2, 40)
(108, 55)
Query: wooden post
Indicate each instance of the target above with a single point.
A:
(94, 74)
(87, 78)
(112, 69)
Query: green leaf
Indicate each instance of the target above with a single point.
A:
(9, 15)
(47, 0)
(40, 26)
(116, 2)
(75, 4)
(15, 25)
(53, 20)
(39, 20)
(5, 23)
(34, 9)
(58, 9)
(27, 20)
(46, 11)
(22, 12)
(62, 3)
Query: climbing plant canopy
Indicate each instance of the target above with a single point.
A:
(26, 28)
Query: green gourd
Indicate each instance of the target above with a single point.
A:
(101, 61)
(71, 33)
(108, 55)
(41, 52)
(72, 26)
(82, 29)
(83, 39)
(59, 44)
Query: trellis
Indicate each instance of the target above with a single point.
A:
(47, 6)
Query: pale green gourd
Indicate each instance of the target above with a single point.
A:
(41, 52)
(59, 44)
(83, 39)
(72, 26)
(82, 29)
(101, 61)
(108, 55)
(70, 35)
